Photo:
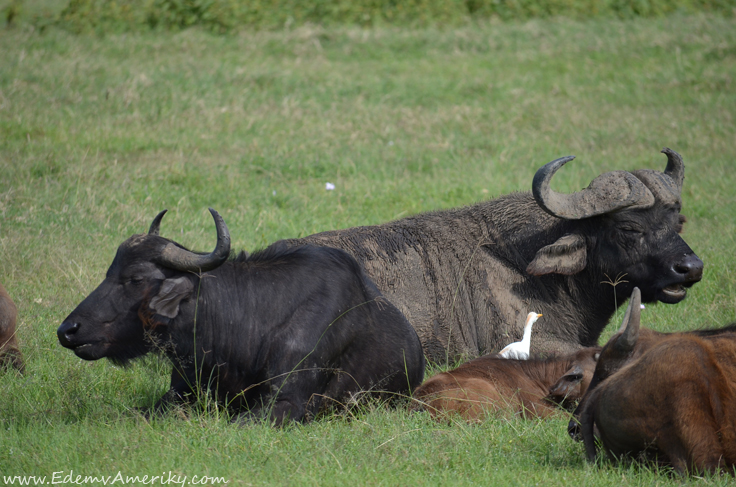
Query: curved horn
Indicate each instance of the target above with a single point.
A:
(675, 167)
(630, 325)
(607, 193)
(156, 223)
(175, 257)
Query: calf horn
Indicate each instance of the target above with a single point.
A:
(175, 257)
(607, 193)
(675, 167)
(630, 325)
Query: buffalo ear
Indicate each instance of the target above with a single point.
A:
(166, 302)
(566, 256)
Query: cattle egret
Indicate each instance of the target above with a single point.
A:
(520, 350)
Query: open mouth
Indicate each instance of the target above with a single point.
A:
(674, 292)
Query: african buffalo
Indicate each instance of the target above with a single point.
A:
(465, 278)
(489, 385)
(627, 345)
(283, 332)
(9, 352)
(673, 401)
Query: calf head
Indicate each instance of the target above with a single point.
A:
(573, 384)
(620, 349)
(144, 286)
(628, 225)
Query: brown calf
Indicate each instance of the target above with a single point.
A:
(666, 396)
(628, 344)
(9, 352)
(490, 385)
(677, 402)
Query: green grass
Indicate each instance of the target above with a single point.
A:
(99, 134)
(106, 16)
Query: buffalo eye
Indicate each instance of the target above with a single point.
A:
(629, 236)
(680, 223)
(134, 281)
(632, 229)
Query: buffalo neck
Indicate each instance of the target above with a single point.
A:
(519, 228)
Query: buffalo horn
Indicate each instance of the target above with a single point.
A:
(607, 193)
(156, 223)
(675, 167)
(175, 257)
(630, 325)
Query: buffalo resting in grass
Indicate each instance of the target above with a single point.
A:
(465, 278)
(493, 385)
(281, 333)
(669, 397)
(9, 352)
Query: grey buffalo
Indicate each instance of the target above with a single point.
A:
(465, 278)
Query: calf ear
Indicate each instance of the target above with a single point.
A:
(166, 302)
(566, 256)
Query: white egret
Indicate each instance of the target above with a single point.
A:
(520, 350)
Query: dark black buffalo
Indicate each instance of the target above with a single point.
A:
(466, 278)
(285, 331)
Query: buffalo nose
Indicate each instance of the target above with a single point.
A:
(65, 331)
(691, 268)
(573, 429)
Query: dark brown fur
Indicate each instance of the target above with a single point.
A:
(9, 352)
(676, 402)
(492, 385)
(614, 357)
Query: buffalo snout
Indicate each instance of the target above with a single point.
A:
(691, 268)
(66, 332)
(573, 429)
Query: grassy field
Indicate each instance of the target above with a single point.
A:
(99, 134)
